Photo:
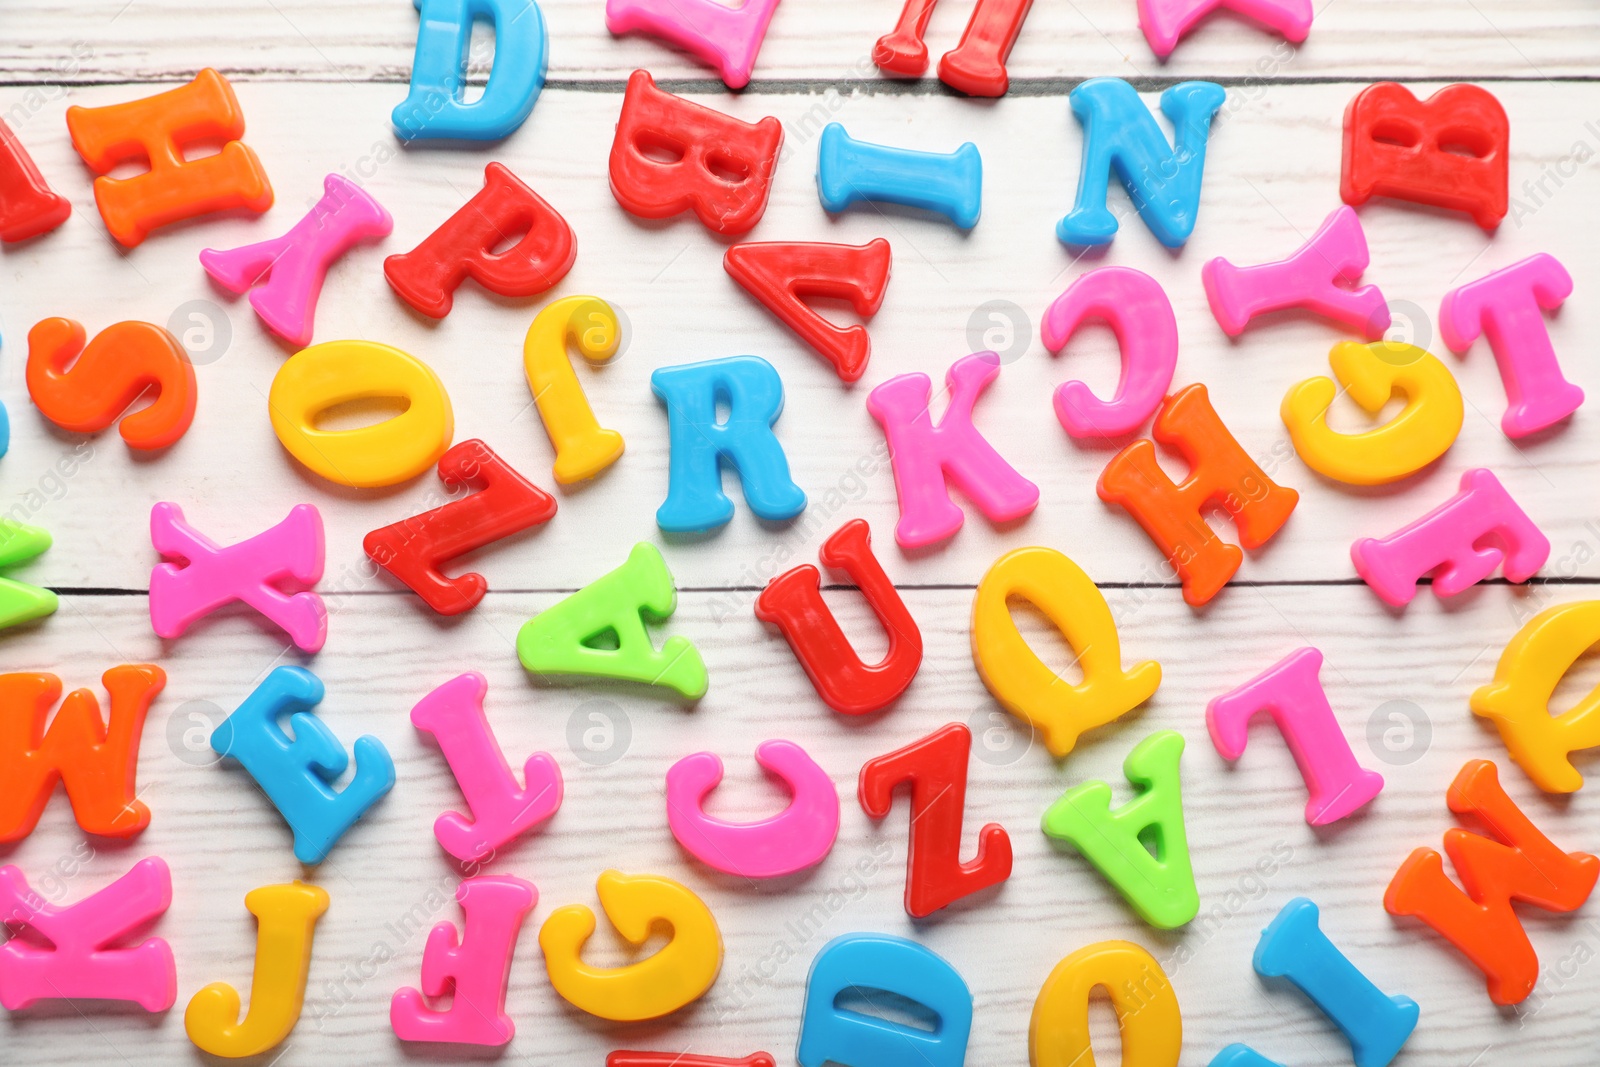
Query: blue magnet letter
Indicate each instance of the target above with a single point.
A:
(830, 1034)
(434, 107)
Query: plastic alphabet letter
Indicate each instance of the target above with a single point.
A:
(629, 1058)
(428, 276)
(1164, 22)
(793, 603)
(1016, 675)
(1451, 150)
(798, 837)
(583, 447)
(472, 965)
(721, 36)
(297, 775)
(1293, 946)
(1310, 279)
(850, 171)
(926, 455)
(1237, 1055)
(977, 65)
(96, 760)
(720, 167)
(1221, 472)
(286, 917)
(435, 106)
(935, 768)
(1372, 374)
(1137, 309)
(1460, 543)
(202, 576)
(107, 376)
(19, 601)
(676, 975)
(563, 639)
(157, 131)
(414, 549)
(831, 1034)
(1508, 307)
(1160, 887)
(702, 443)
(782, 274)
(1119, 134)
(501, 808)
(28, 207)
(1141, 994)
(288, 271)
(80, 961)
(1291, 692)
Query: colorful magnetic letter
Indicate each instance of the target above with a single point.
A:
(702, 443)
(678, 974)
(19, 601)
(850, 962)
(81, 961)
(287, 272)
(797, 837)
(297, 775)
(202, 576)
(562, 638)
(395, 450)
(976, 66)
(1165, 21)
(1160, 887)
(286, 919)
(414, 549)
(1162, 180)
(472, 965)
(501, 808)
(1450, 150)
(782, 274)
(428, 276)
(1460, 543)
(936, 770)
(1137, 309)
(1220, 473)
(157, 131)
(435, 107)
(724, 37)
(1321, 276)
(1237, 1055)
(1508, 307)
(121, 364)
(719, 166)
(629, 1058)
(1016, 675)
(1291, 692)
(1516, 863)
(1293, 946)
(28, 207)
(1141, 994)
(1372, 374)
(96, 760)
(793, 603)
(1518, 700)
(849, 170)
(583, 447)
(926, 455)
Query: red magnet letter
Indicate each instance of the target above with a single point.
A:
(27, 206)
(976, 66)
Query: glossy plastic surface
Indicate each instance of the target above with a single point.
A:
(948, 184)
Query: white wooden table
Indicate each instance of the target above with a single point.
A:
(317, 80)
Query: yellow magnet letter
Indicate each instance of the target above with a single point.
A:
(1146, 1006)
(583, 447)
(1021, 681)
(286, 916)
(325, 376)
(1372, 374)
(677, 975)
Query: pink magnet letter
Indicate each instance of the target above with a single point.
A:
(474, 967)
(78, 962)
(1140, 314)
(727, 38)
(1319, 277)
(206, 576)
(501, 809)
(1508, 307)
(288, 271)
(792, 840)
(1165, 21)
(924, 455)
(1292, 694)
(1460, 543)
